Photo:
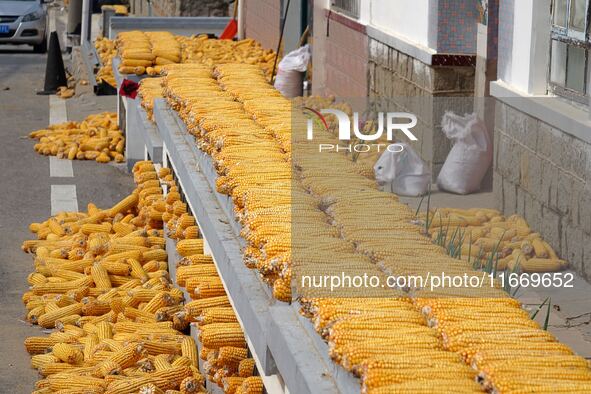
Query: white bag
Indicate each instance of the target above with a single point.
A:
(289, 80)
(403, 173)
(470, 156)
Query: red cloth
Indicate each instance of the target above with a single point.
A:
(129, 88)
(230, 30)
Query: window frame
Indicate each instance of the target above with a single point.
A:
(341, 6)
(570, 37)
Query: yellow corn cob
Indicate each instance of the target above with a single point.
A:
(55, 227)
(122, 229)
(191, 385)
(124, 205)
(154, 265)
(100, 276)
(184, 272)
(246, 367)
(115, 268)
(217, 315)
(136, 270)
(162, 299)
(90, 228)
(71, 381)
(162, 361)
(228, 355)
(150, 388)
(189, 350)
(157, 347)
(231, 383)
(251, 385)
(194, 308)
(191, 232)
(187, 247)
(128, 356)
(55, 368)
(38, 360)
(90, 344)
(536, 264)
(68, 353)
(48, 319)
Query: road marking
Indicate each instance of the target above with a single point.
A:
(60, 168)
(63, 198)
(57, 110)
(51, 20)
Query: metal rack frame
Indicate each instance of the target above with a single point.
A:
(290, 355)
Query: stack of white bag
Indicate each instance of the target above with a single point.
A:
(290, 78)
(469, 158)
(402, 172)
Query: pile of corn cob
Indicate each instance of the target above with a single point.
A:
(223, 346)
(95, 138)
(244, 125)
(147, 52)
(106, 51)
(119, 9)
(101, 281)
(205, 50)
(135, 50)
(140, 51)
(481, 233)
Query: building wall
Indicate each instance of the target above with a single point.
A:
(427, 91)
(340, 56)
(456, 26)
(544, 174)
(262, 21)
(407, 19)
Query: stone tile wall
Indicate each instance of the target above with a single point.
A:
(544, 174)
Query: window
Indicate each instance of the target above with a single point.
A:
(569, 49)
(347, 7)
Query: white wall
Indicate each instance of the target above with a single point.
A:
(410, 20)
(524, 51)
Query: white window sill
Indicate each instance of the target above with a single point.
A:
(549, 109)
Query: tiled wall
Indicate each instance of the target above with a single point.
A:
(262, 21)
(456, 21)
(544, 174)
(342, 70)
(407, 84)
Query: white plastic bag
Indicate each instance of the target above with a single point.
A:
(470, 156)
(403, 173)
(289, 80)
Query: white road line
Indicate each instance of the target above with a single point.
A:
(63, 198)
(51, 20)
(60, 168)
(57, 110)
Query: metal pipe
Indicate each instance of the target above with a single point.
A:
(86, 15)
(280, 40)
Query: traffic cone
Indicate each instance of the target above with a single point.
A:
(55, 73)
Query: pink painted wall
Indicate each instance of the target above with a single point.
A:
(262, 21)
(340, 55)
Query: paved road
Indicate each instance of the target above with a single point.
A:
(25, 197)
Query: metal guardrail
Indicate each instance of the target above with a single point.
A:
(289, 353)
(185, 26)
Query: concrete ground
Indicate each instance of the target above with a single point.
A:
(26, 194)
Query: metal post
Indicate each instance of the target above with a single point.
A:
(86, 18)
